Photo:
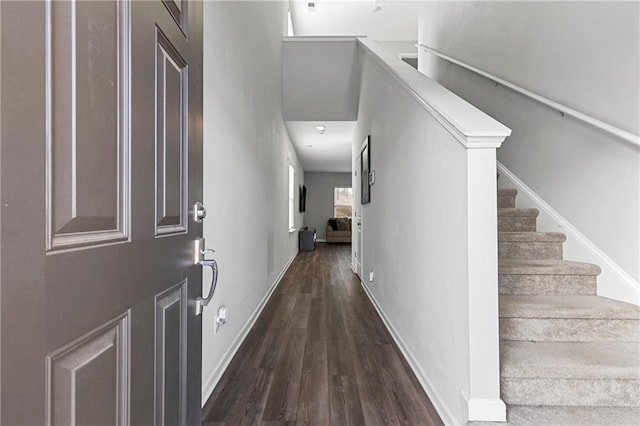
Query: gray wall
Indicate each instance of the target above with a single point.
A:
(320, 198)
(320, 81)
(246, 150)
(585, 55)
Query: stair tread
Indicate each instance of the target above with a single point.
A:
(574, 307)
(507, 191)
(570, 360)
(546, 267)
(512, 211)
(546, 237)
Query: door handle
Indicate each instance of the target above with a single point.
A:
(200, 259)
(201, 302)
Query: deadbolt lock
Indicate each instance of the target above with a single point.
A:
(199, 212)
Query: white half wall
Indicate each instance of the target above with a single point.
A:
(246, 155)
(585, 55)
(430, 234)
(320, 198)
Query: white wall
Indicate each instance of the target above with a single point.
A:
(319, 206)
(393, 22)
(420, 235)
(585, 55)
(245, 167)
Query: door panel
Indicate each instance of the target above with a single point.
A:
(97, 313)
(178, 10)
(87, 380)
(171, 135)
(86, 112)
(171, 355)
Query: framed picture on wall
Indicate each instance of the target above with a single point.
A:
(303, 198)
(365, 167)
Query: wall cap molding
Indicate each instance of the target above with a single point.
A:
(473, 128)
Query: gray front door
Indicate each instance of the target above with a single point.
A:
(101, 159)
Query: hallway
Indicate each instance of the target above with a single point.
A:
(319, 354)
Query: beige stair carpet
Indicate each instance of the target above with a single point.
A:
(568, 357)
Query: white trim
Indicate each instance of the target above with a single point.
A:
(408, 55)
(321, 240)
(441, 407)
(210, 383)
(607, 264)
(470, 126)
(563, 109)
(322, 38)
(484, 409)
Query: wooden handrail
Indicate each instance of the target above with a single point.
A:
(563, 109)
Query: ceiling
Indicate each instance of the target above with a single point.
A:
(390, 21)
(328, 152)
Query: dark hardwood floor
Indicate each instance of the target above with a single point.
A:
(319, 354)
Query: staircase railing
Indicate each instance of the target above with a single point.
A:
(562, 109)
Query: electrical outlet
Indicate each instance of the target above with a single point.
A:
(371, 276)
(221, 319)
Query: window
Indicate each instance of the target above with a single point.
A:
(292, 204)
(342, 202)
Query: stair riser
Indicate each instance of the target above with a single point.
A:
(506, 201)
(516, 223)
(569, 330)
(570, 392)
(547, 284)
(529, 250)
(583, 416)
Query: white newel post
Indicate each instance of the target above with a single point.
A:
(483, 400)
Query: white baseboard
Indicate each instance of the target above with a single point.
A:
(484, 409)
(209, 384)
(614, 282)
(441, 407)
(321, 240)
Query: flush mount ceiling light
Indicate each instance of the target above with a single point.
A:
(321, 128)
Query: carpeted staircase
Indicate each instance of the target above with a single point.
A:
(567, 356)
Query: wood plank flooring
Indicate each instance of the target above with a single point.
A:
(319, 355)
